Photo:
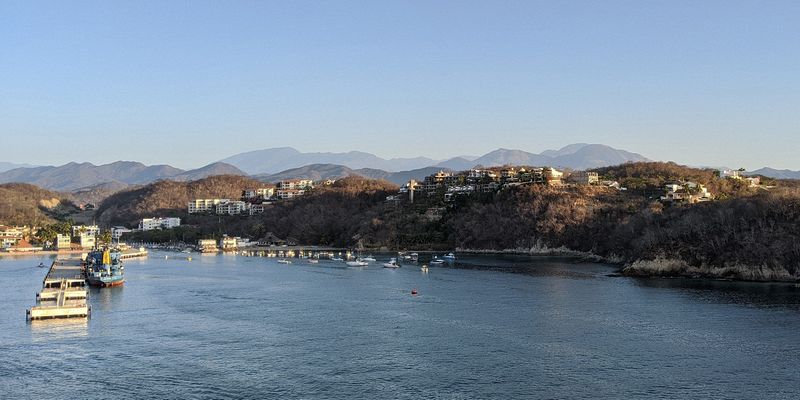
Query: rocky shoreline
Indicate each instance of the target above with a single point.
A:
(671, 267)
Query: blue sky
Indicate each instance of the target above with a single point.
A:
(191, 82)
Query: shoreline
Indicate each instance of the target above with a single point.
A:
(40, 253)
(663, 267)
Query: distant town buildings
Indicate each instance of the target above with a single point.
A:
(451, 185)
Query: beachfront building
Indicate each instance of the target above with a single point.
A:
(204, 205)
(87, 240)
(77, 230)
(271, 240)
(10, 235)
(228, 243)
(207, 245)
(63, 242)
(118, 231)
(149, 224)
(23, 246)
(93, 230)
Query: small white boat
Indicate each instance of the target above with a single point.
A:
(436, 261)
(284, 261)
(450, 257)
(391, 264)
(369, 259)
(337, 259)
(357, 263)
(313, 261)
(414, 257)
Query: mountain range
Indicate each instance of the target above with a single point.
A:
(271, 165)
(270, 161)
(574, 156)
(78, 176)
(776, 173)
(5, 166)
(333, 171)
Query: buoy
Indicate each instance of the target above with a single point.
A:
(413, 291)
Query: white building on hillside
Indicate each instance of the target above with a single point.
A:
(293, 184)
(285, 194)
(204, 205)
(149, 224)
(232, 208)
(260, 193)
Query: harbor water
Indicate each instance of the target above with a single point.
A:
(226, 326)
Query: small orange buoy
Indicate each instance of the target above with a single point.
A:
(413, 291)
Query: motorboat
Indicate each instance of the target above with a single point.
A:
(449, 257)
(313, 261)
(284, 261)
(357, 263)
(337, 259)
(391, 264)
(436, 261)
(369, 259)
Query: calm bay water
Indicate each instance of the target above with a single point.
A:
(496, 327)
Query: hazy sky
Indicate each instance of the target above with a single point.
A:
(191, 82)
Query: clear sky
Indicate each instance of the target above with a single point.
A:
(191, 82)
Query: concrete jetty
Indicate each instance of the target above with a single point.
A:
(133, 253)
(63, 292)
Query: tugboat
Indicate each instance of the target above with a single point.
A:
(104, 268)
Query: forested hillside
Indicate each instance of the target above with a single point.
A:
(168, 198)
(24, 204)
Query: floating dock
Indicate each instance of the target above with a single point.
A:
(63, 292)
(142, 252)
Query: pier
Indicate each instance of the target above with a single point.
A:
(63, 292)
(131, 253)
